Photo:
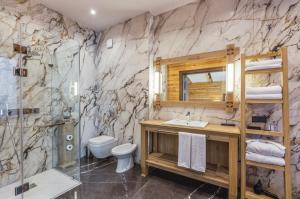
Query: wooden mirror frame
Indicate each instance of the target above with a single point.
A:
(227, 55)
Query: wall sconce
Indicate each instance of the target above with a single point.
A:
(230, 54)
(157, 83)
(230, 78)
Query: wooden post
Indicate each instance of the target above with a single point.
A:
(286, 124)
(155, 142)
(233, 167)
(144, 151)
(243, 129)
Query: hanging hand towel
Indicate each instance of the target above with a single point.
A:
(265, 62)
(198, 157)
(264, 90)
(265, 147)
(184, 149)
(264, 96)
(264, 159)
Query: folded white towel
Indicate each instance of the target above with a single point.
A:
(198, 154)
(265, 147)
(265, 62)
(184, 149)
(270, 66)
(264, 90)
(264, 159)
(264, 96)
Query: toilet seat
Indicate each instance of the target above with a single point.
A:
(123, 149)
(101, 140)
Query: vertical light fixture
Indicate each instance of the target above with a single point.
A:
(230, 77)
(157, 82)
(230, 54)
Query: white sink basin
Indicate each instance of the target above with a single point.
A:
(190, 123)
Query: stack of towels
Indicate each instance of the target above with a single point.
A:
(265, 151)
(192, 151)
(269, 92)
(264, 64)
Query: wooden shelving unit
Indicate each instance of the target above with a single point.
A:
(247, 192)
(159, 144)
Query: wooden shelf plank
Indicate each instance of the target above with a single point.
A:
(265, 166)
(255, 101)
(265, 55)
(167, 163)
(266, 133)
(251, 195)
(273, 70)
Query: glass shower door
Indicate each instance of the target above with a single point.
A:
(39, 115)
(65, 108)
(11, 157)
(51, 132)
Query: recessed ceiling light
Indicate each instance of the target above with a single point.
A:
(93, 12)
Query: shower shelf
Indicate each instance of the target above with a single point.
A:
(266, 133)
(265, 166)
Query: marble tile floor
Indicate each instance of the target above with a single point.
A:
(99, 181)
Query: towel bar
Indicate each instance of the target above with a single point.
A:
(173, 132)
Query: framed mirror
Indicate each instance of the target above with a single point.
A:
(196, 80)
(202, 84)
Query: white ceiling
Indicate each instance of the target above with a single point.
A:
(109, 12)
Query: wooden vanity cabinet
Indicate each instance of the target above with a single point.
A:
(159, 149)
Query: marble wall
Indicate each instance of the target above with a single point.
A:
(58, 46)
(118, 100)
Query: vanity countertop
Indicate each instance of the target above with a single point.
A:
(210, 128)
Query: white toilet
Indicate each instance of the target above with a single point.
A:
(124, 155)
(101, 146)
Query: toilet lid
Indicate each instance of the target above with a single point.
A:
(103, 139)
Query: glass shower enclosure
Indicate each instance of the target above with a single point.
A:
(39, 118)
